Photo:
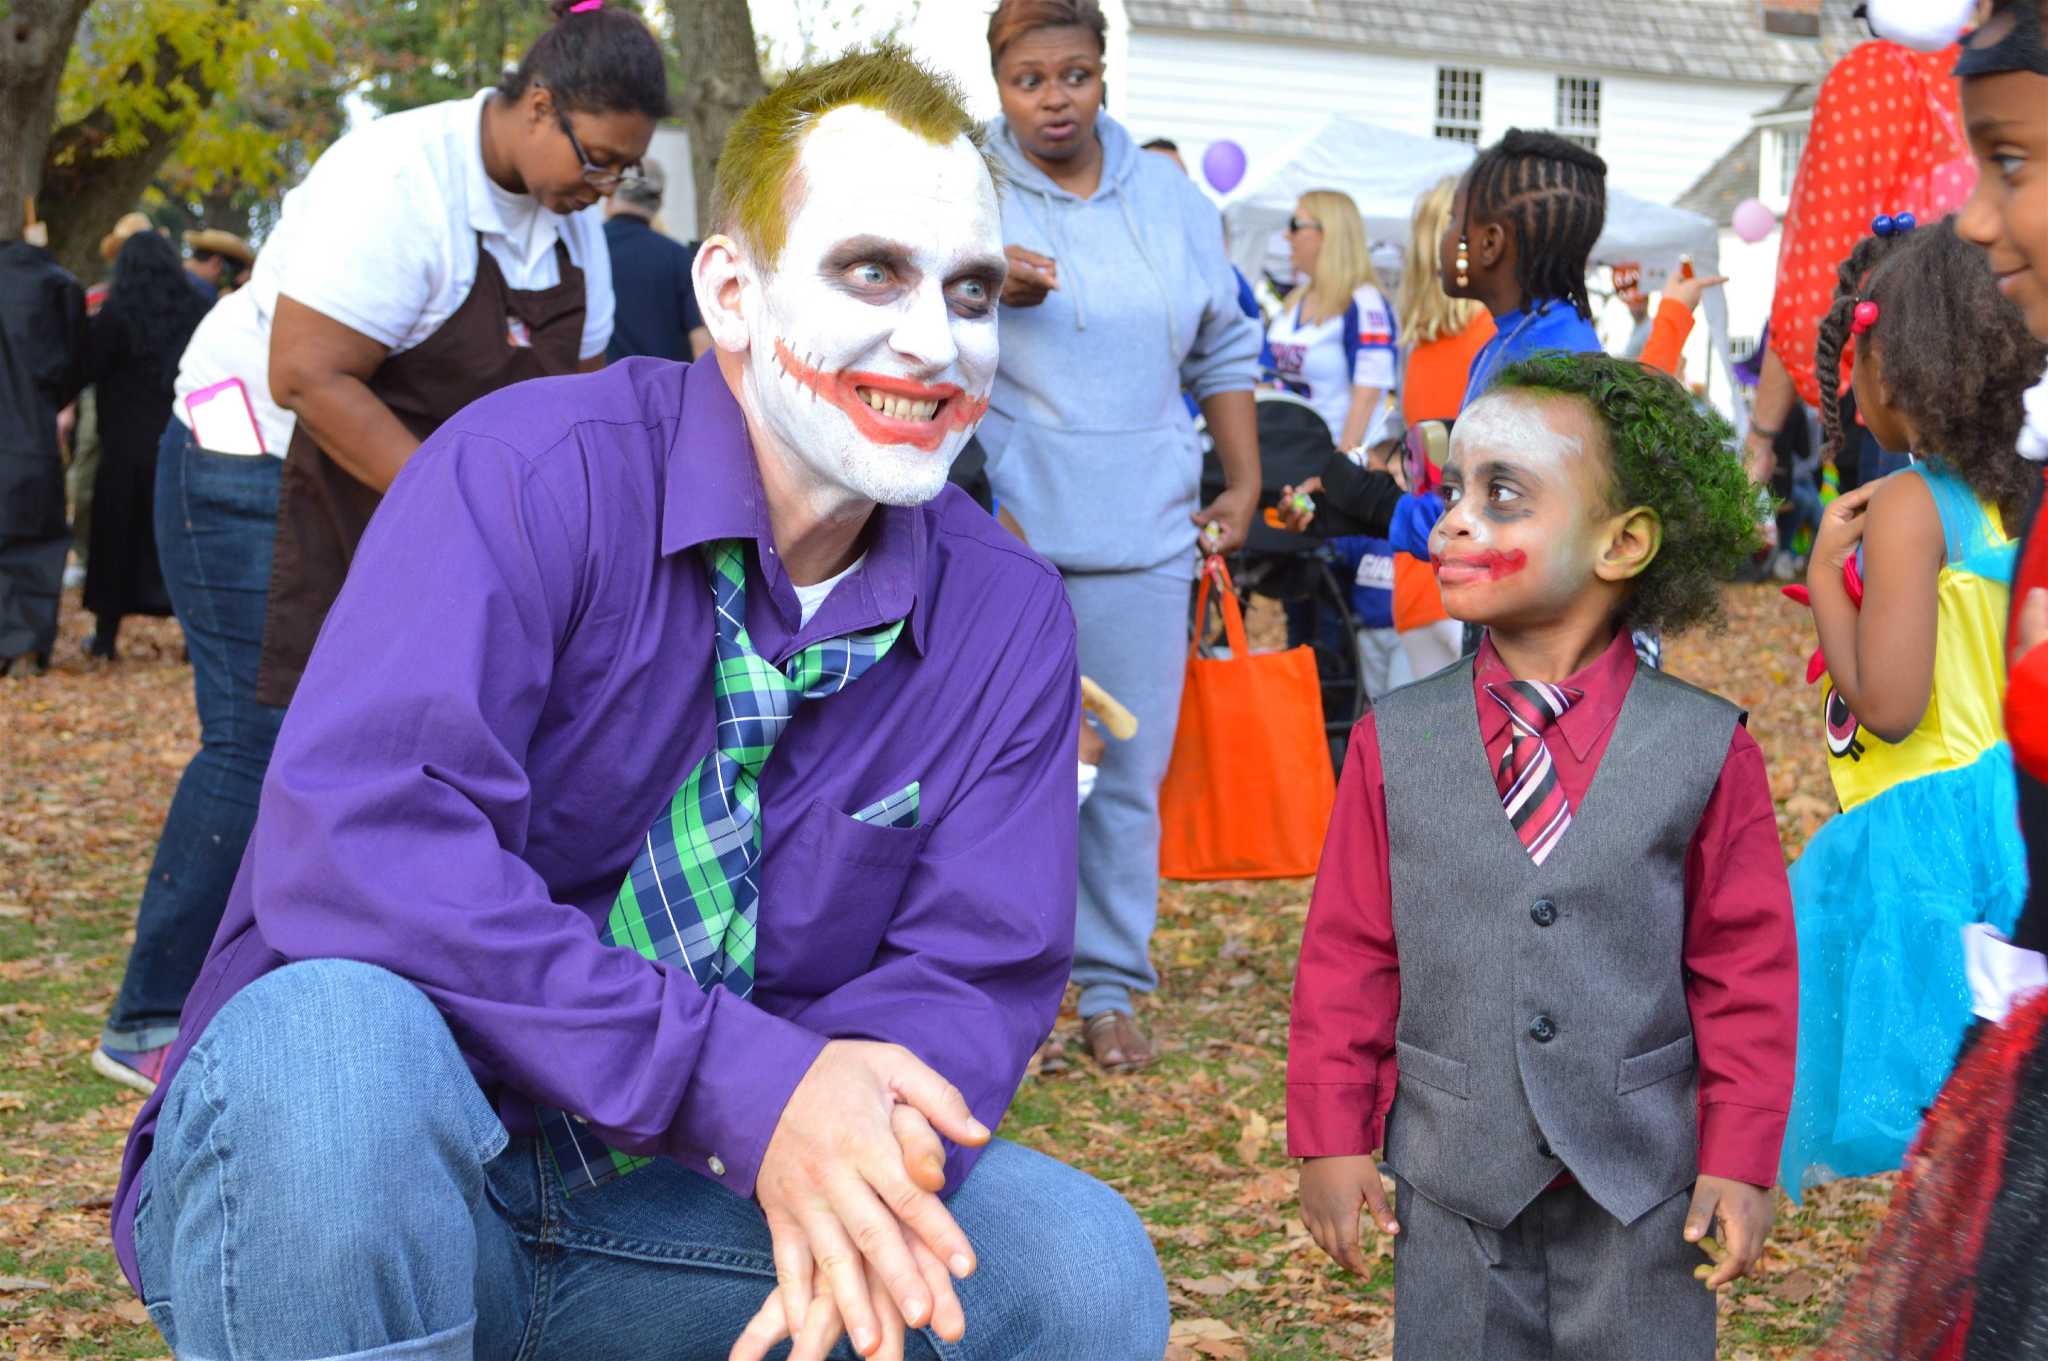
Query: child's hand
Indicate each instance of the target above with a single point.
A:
(2031, 629)
(1297, 508)
(1689, 291)
(1841, 530)
(1332, 1189)
(1744, 1212)
(1092, 745)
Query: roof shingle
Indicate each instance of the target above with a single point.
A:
(1696, 39)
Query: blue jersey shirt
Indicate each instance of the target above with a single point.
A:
(1552, 324)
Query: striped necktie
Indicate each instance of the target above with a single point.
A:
(691, 898)
(1526, 776)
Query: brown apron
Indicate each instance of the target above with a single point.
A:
(322, 510)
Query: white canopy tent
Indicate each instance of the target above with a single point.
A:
(1384, 172)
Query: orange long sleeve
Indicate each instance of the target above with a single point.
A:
(1668, 333)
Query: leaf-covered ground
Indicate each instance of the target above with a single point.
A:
(88, 758)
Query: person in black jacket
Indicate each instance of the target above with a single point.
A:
(656, 301)
(42, 335)
(131, 359)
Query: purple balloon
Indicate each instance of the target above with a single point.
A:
(1753, 221)
(1223, 165)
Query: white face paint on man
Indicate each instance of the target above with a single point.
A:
(872, 345)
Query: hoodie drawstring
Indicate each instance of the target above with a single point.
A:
(1152, 268)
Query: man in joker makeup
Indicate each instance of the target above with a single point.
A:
(667, 868)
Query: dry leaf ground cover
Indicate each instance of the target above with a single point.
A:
(88, 758)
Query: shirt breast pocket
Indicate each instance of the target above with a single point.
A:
(830, 887)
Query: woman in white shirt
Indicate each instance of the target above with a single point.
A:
(1334, 340)
(428, 258)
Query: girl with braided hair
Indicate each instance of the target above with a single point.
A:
(1521, 232)
(1908, 587)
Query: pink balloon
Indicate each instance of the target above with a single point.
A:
(1223, 165)
(1753, 221)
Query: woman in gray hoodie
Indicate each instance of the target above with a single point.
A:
(1119, 299)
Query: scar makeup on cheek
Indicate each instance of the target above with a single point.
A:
(885, 409)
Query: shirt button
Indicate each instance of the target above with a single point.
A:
(1543, 1030)
(716, 1165)
(1544, 912)
(1543, 1148)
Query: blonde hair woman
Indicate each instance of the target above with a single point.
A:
(1333, 342)
(1441, 334)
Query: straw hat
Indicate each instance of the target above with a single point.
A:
(129, 225)
(221, 243)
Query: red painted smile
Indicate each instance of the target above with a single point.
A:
(1488, 566)
(889, 410)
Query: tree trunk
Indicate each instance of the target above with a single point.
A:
(84, 193)
(721, 75)
(35, 40)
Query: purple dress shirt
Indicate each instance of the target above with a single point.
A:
(514, 682)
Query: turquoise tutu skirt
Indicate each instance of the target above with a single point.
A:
(1881, 896)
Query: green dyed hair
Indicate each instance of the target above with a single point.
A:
(757, 172)
(1666, 452)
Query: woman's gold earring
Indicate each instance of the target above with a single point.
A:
(1464, 264)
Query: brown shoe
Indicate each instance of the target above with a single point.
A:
(1116, 1043)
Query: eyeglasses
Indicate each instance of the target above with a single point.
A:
(1302, 224)
(596, 176)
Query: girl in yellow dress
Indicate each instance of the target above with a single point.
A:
(1909, 581)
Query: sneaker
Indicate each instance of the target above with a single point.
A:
(134, 1069)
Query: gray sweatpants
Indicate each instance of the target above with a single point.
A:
(1566, 1281)
(1134, 642)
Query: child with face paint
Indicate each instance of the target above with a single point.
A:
(1908, 584)
(1549, 961)
(1958, 1271)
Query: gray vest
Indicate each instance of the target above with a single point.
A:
(1543, 1017)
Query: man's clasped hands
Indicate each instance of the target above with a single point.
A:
(850, 1188)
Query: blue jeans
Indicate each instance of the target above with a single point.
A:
(216, 518)
(329, 1181)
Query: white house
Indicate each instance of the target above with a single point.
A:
(1762, 166)
(1660, 88)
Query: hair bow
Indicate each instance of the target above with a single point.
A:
(586, 6)
(1864, 317)
(1886, 225)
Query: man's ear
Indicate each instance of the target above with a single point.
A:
(1632, 540)
(721, 275)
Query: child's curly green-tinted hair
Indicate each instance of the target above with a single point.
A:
(1671, 455)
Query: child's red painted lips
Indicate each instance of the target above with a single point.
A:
(1465, 569)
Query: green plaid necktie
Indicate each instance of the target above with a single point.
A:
(692, 894)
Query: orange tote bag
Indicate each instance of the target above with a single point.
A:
(1249, 790)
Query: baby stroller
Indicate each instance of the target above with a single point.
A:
(1298, 570)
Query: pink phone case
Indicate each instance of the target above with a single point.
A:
(220, 392)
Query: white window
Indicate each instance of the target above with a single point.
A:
(1791, 147)
(1578, 110)
(1460, 104)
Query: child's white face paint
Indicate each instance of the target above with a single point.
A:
(1523, 497)
(1518, 425)
(872, 345)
